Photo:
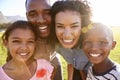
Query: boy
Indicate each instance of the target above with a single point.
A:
(97, 43)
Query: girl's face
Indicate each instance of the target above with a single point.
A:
(21, 44)
(97, 45)
(68, 28)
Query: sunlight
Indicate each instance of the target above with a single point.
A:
(106, 11)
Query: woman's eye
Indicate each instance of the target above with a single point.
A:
(74, 26)
(59, 26)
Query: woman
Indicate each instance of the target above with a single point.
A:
(68, 19)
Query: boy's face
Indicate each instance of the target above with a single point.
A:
(38, 13)
(21, 46)
(97, 44)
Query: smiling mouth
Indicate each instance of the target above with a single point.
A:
(43, 27)
(68, 41)
(23, 54)
(94, 55)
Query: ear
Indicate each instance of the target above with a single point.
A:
(113, 44)
(26, 15)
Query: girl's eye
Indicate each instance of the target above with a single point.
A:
(32, 41)
(16, 41)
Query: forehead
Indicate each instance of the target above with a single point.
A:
(68, 16)
(99, 31)
(37, 5)
(20, 31)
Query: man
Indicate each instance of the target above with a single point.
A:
(38, 13)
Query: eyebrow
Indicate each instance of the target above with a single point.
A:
(20, 38)
(70, 24)
(32, 11)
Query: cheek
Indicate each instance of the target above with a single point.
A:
(85, 48)
(32, 20)
(32, 47)
(77, 33)
(59, 32)
(48, 19)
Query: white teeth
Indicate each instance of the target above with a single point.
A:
(23, 54)
(43, 27)
(68, 41)
(95, 55)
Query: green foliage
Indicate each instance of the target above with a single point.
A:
(115, 54)
(2, 52)
(4, 25)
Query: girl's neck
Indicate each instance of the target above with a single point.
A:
(103, 66)
(18, 69)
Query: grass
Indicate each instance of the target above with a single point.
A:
(115, 54)
(2, 53)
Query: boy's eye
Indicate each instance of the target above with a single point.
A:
(87, 43)
(103, 43)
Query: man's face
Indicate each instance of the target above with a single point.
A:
(38, 13)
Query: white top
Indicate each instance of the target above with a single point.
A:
(111, 74)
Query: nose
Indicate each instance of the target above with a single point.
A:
(67, 33)
(24, 46)
(40, 19)
(94, 46)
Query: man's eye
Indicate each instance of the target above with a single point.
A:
(47, 12)
(32, 15)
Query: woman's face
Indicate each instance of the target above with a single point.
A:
(68, 28)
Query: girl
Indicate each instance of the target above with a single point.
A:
(20, 41)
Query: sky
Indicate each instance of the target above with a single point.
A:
(105, 11)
